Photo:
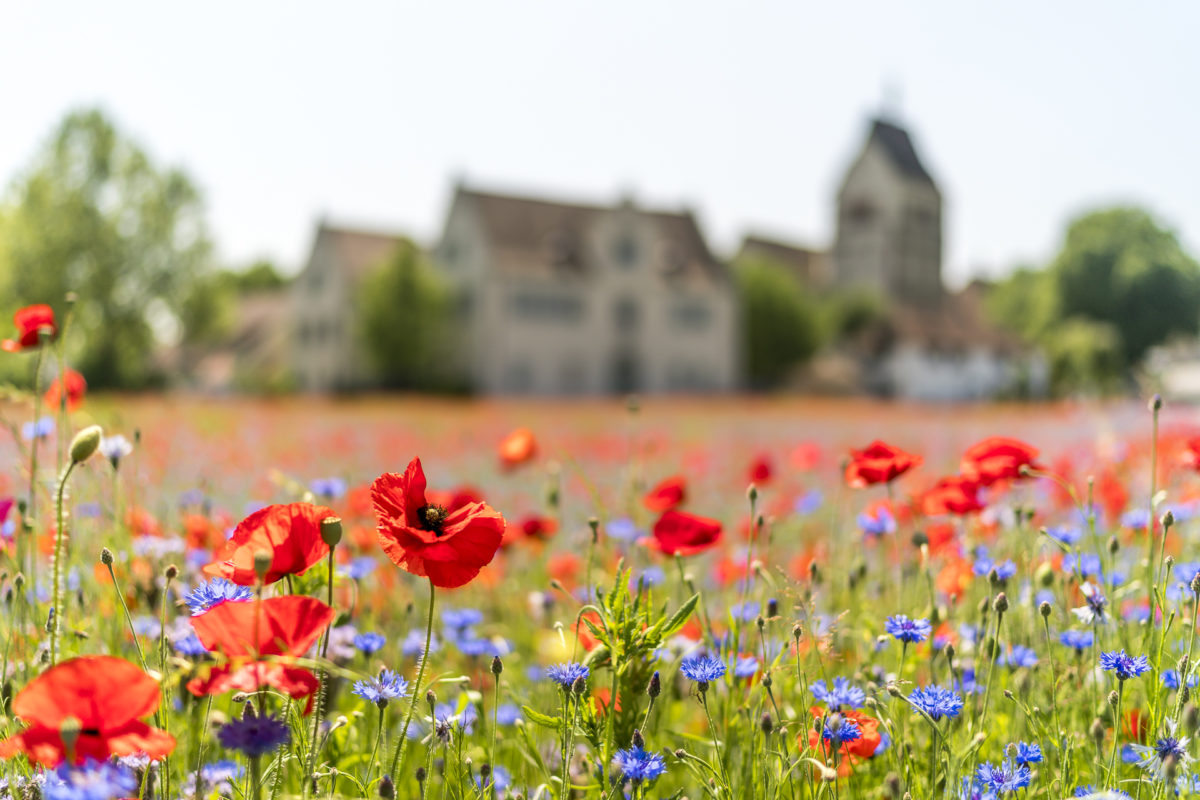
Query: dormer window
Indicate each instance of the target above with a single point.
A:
(625, 251)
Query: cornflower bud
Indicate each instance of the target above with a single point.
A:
(1045, 609)
(654, 689)
(497, 666)
(1000, 604)
(637, 739)
(766, 724)
(106, 556)
(387, 789)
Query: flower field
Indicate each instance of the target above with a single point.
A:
(724, 599)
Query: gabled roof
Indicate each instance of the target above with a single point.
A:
(895, 141)
(533, 236)
(808, 265)
(357, 251)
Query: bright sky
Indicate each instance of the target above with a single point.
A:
(1027, 112)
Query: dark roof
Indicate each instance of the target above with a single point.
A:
(533, 235)
(358, 251)
(809, 265)
(899, 147)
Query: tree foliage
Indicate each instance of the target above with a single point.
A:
(779, 325)
(405, 323)
(1120, 284)
(95, 216)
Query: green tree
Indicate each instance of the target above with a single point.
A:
(1121, 267)
(1085, 356)
(95, 216)
(406, 323)
(779, 325)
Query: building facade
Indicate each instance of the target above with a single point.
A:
(571, 299)
(552, 299)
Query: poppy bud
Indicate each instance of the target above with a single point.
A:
(1045, 609)
(262, 564)
(106, 556)
(85, 443)
(766, 724)
(655, 687)
(638, 740)
(1000, 604)
(240, 697)
(331, 530)
(387, 789)
(920, 539)
(752, 493)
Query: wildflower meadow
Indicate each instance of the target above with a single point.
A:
(668, 599)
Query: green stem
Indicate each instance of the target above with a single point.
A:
(60, 540)
(412, 705)
(1112, 759)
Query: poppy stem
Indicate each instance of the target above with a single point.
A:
(412, 705)
(60, 539)
(31, 506)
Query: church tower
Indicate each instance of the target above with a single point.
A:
(889, 222)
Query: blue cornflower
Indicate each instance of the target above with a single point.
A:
(1170, 679)
(878, 524)
(839, 730)
(447, 715)
(213, 593)
(358, 568)
(745, 667)
(215, 778)
(1124, 665)
(1168, 746)
(637, 765)
(147, 625)
(622, 529)
(457, 619)
(808, 502)
(474, 646)
(1096, 608)
(508, 714)
(254, 735)
(1028, 753)
(189, 645)
(908, 630)
(1007, 777)
(38, 430)
(651, 576)
(565, 675)
(414, 644)
(328, 488)
(114, 448)
(843, 694)
(1079, 640)
(370, 643)
(388, 686)
(1066, 534)
(92, 781)
(937, 701)
(1111, 794)
(1019, 656)
(1088, 564)
(747, 611)
(972, 789)
(1136, 519)
(702, 669)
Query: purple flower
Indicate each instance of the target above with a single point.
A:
(908, 630)
(1124, 665)
(254, 735)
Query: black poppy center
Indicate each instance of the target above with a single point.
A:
(432, 518)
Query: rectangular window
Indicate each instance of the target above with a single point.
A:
(691, 315)
(546, 307)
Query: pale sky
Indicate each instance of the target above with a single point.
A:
(1026, 112)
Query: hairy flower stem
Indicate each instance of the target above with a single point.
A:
(255, 778)
(568, 739)
(322, 679)
(1112, 759)
(60, 542)
(398, 756)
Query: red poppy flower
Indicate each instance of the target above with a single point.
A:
(669, 493)
(760, 471)
(954, 495)
(29, 321)
(996, 459)
(678, 532)
(291, 533)
(107, 695)
(852, 752)
(879, 462)
(76, 388)
(536, 526)
(806, 456)
(455, 498)
(518, 447)
(1191, 453)
(285, 627)
(450, 547)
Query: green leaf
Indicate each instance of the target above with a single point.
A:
(681, 616)
(545, 720)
